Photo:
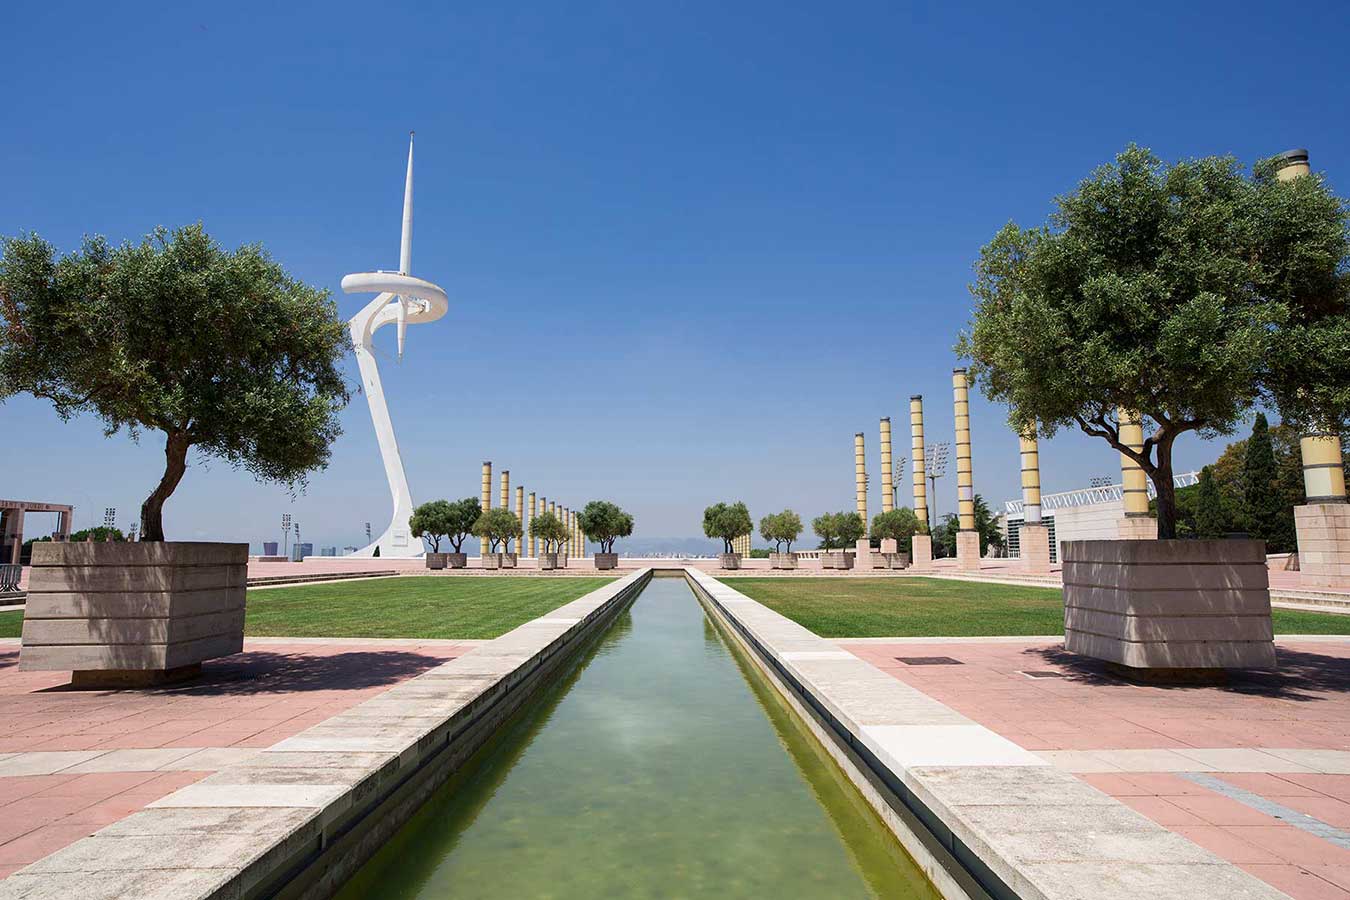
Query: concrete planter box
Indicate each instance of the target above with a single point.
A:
(456, 560)
(1157, 607)
(898, 560)
(782, 560)
(436, 560)
(509, 560)
(129, 614)
(606, 560)
(492, 560)
(548, 561)
(836, 559)
(729, 560)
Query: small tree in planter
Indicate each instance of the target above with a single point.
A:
(843, 529)
(728, 522)
(463, 514)
(1183, 294)
(604, 523)
(550, 529)
(899, 525)
(499, 525)
(781, 528)
(431, 521)
(219, 351)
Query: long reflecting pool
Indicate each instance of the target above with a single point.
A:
(661, 765)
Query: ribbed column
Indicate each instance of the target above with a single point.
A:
(965, 483)
(534, 542)
(1323, 472)
(505, 498)
(1031, 479)
(520, 516)
(887, 478)
(486, 501)
(916, 455)
(860, 477)
(1133, 480)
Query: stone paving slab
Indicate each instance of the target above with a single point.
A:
(1257, 772)
(309, 787)
(1023, 826)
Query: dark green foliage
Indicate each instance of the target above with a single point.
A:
(432, 521)
(1264, 509)
(899, 525)
(499, 525)
(221, 351)
(1187, 293)
(550, 529)
(1211, 516)
(727, 521)
(836, 530)
(781, 528)
(604, 523)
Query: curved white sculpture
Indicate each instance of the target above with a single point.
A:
(404, 300)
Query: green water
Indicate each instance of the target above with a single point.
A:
(660, 766)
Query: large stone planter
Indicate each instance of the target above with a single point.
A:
(782, 560)
(898, 560)
(456, 560)
(548, 561)
(606, 560)
(133, 614)
(836, 559)
(729, 560)
(436, 560)
(1165, 608)
(509, 560)
(492, 560)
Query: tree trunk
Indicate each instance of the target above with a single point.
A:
(175, 464)
(1166, 489)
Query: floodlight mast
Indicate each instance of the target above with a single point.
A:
(402, 300)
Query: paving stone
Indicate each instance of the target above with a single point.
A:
(311, 796)
(131, 760)
(145, 884)
(251, 820)
(908, 746)
(45, 762)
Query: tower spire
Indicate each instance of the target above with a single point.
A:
(405, 248)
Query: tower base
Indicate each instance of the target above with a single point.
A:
(968, 551)
(1034, 544)
(1137, 528)
(1323, 543)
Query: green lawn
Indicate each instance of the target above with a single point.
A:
(407, 607)
(919, 607)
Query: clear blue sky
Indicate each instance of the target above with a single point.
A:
(691, 248)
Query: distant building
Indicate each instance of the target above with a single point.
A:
(1087, 514)
(300, 551)
(328, 551)
(348, 551)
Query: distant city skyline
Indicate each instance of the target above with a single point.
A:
(689, 252)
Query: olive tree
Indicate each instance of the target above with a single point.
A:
(463, 514)
(1184, 294)
(550, 529)
(499, 525)
(604, 523)
(898, 525)
(781, 528)
(727, 521)
(221, 351)
(838, 529)
(432, 521)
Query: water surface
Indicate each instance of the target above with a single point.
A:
(661, 766)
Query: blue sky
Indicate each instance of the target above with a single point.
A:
(691, 248)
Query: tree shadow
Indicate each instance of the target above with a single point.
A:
(255, 672)
(1301, 676)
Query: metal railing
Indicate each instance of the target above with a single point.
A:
(9, 578)
(1093, 495)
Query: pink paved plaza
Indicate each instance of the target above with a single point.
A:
(1197, 760)
(72, 762)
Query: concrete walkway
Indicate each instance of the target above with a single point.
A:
(1257, 772)
(73, 762)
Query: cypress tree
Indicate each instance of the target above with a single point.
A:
(1211, 520)
(1263, 506)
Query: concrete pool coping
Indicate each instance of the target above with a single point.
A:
(1019, 826)
(299, 817)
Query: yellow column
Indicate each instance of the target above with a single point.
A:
(916, 455)
(860, 478)
(520, 514)
(486, 502)
(505, 501)
(1031, 479)
(534, 542)
(1134, 482)
(887, 482)
(965, 483)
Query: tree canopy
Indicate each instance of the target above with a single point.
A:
(222, 351)
(899, 525)
(1184, 294)
(727, 521)
(438, 519)
(839, 529)
(499, 525)
(781, 528)
(550, 529)
(604, 523)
